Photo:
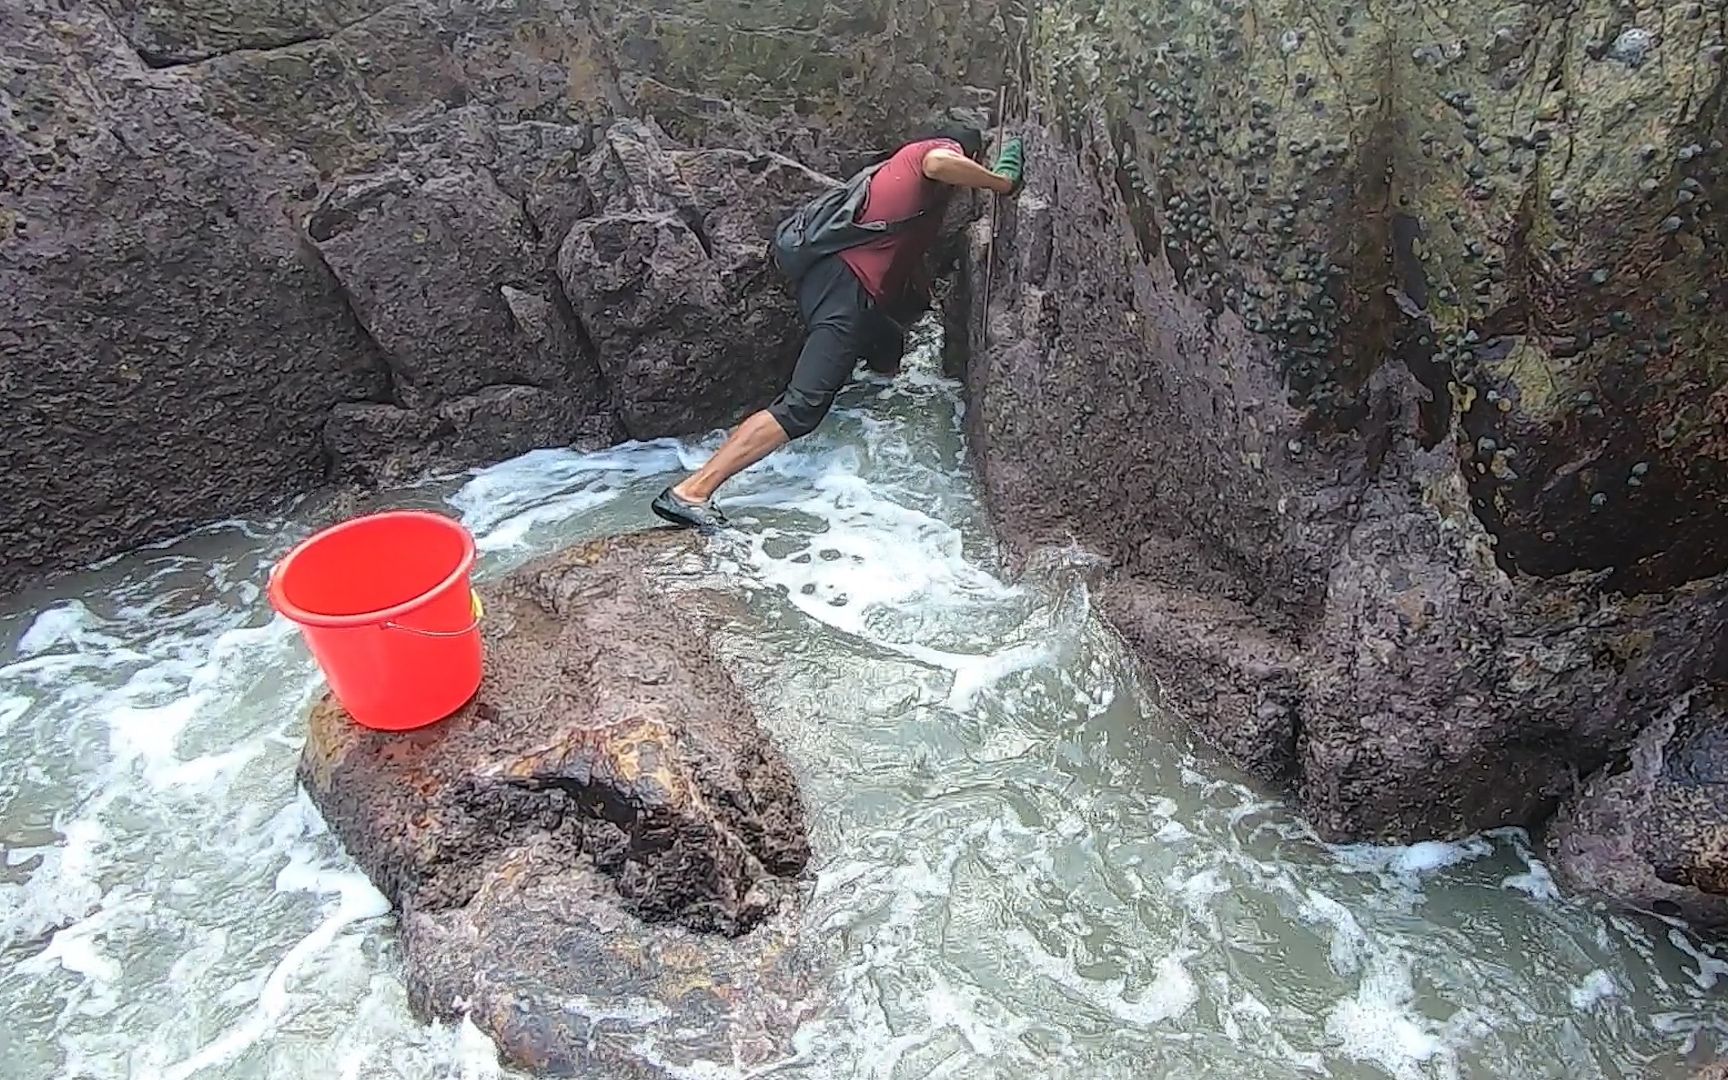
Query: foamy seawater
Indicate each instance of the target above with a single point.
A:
(1024, 868)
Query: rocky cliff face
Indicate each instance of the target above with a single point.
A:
(247, 249)
(1383, 354)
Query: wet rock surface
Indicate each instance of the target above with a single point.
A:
(604, 827)
(248, 249)
(373, 445)
(688, 316)
(168, 347)
(1379, 351)
(1653, 830)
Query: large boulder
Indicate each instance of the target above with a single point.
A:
(351, 101)
(445, 333)
(1380, 354)
(605, 822)
(443, 257)
(166, 35)
(375, 445)
(819, 80)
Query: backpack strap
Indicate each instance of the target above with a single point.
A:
(857, 191)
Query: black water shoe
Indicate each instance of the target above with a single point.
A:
(704, 517)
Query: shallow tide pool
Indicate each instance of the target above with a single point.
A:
(1024, 868)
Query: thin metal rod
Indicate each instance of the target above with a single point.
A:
(995, 200)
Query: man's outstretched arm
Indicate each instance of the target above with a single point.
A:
(958, 170)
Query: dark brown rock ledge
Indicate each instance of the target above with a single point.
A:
(603, 839)
(1652, 831)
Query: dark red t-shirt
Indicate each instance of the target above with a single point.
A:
(898, 190)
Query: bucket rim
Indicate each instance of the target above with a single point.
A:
(294, 613)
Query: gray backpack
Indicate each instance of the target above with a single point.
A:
(829, 223)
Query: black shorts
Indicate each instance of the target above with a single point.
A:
(842, 326)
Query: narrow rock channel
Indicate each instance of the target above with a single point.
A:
(1279, 625)
(1022, 865)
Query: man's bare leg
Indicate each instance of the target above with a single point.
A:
(687, 503)
(831, 350)
(757, 437)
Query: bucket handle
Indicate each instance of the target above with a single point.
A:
(474, 605)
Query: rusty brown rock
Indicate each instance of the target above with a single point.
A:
(605, 821)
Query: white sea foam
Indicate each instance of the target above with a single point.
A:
(1379, 1024)
(1594, 987)
(1196, 890)
(63, 889)
(1536, 881)
(1711, 967)
(79, 948)
(1412, 860)
(504, 505)
(1348, 942)
(1171, 832)
(1169, 994)
(356, 901)
(71, 624)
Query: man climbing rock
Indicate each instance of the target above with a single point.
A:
(855, 256)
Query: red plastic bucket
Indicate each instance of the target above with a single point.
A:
(386, 607)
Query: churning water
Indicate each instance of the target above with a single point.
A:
(1023, 867)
